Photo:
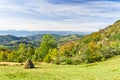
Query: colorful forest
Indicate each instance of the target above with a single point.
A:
(91, 48)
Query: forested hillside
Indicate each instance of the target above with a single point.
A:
(11, 42)
(100, 45)
(71, 49)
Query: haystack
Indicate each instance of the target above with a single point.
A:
(29, 64)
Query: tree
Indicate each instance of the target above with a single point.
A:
(48, 42)
(66, 49)
(22, 52)
(37, 55)
(30, 51)
(52, 56)
(92, 52)
(3, 56)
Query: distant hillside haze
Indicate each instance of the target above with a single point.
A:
(10, 40)
(24, 33)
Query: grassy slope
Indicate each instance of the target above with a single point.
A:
(108, 70)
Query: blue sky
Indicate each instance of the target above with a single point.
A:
(67, 15)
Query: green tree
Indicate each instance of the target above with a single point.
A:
(48, 42)
(37, 55)
(22, 52)
(30, 51)
(3, 56)
(52, 56)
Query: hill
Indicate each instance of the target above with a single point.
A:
(12, 41)
(38, 37)
(98, 46)
(7, 39)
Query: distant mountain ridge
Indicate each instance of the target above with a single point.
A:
(24, 33)
(35, 40)
(10, 39)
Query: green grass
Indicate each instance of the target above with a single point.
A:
(107, 70)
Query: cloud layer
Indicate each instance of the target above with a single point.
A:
(64, 15)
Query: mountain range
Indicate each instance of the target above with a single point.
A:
(35, 40)
(24, 33)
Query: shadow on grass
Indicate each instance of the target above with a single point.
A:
(36, 67)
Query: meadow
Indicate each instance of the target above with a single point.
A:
(106, 70)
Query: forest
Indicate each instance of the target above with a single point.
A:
(94, 47)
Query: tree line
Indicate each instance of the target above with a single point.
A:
(97, 46)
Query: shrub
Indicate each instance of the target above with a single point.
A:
(69, 61)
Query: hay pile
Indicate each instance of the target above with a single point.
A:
(29, 64)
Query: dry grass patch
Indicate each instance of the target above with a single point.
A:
(10, 63)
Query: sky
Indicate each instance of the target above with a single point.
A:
(58, 15)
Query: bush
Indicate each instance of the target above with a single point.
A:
(47, 59)
(69, 61)
(76, 61)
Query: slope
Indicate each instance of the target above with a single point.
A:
(97, 46)
(102, 44)
(8, 39)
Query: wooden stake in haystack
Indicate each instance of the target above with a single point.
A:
(29, 64)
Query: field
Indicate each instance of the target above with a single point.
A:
(107, 70)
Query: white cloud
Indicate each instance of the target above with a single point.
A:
(89, 16)
(35, 25)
